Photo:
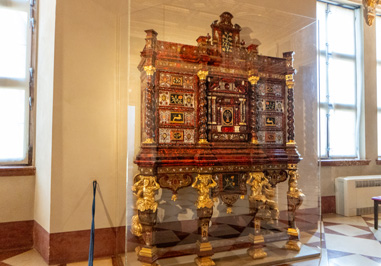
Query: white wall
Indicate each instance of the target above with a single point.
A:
(88, 133)
(44, 112)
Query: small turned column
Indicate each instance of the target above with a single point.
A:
(295, 199)
(257, 201)
(204, 250)
(150, 106)
(290, 110)
(253, 114)
(143, 223)
(289, 56)
(202, 107)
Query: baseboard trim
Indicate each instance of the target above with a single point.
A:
(68, 247)
(41, 241)
(74, 246)
(16, 235)
(328, 204)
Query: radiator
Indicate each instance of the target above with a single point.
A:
(354, 194)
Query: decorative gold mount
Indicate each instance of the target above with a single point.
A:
(202, 74)
(291, 142)
(149, 141)
(370, 10)
(148, 252)
(136, 226)
(253, 80)
(204, 261)
(257, 251)
(203, 141)
(254, 141)
(150, 70)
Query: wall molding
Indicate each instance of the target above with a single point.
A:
(61, 248)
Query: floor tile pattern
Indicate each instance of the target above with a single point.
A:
(346, 241)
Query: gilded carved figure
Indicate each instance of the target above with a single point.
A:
(145, 190)
(203, 184)
(263, 192)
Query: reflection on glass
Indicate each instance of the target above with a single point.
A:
(13, 124)
(378, 36)
(323, 129)
(13, 28)
(342, 81)
(341, 35)
(379, 131)
(323, 78)
(342, 133)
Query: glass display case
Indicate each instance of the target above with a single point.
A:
(222, 134)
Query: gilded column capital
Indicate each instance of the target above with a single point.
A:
(253, 80)
(202, 74)
(290, 81)
(370, 10)
(150, 70)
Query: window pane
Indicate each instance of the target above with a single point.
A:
(323, 78)
(14, 124)
(13, 32)
(341, 30)
(323, 132)
(379, 132)
(378, 36)
(342, 81)
(342, 133)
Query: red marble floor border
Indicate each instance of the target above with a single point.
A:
(16, 235)
(328, 204)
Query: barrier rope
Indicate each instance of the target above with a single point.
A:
(91, 248)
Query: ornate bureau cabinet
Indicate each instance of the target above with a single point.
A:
(220, 118)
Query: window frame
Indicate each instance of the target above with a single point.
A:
(326, 106)
(378, 69)
(25, 167)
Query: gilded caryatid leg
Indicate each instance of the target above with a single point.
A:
(203, 184)
(295, 198)
(257, 202)
(145, 188)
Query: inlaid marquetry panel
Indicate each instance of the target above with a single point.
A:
(169, 80)
(269, 121)
(169, 117)
(270, 105)
(270, 137)
(270, 89)
(176, 99)
(176, 136)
